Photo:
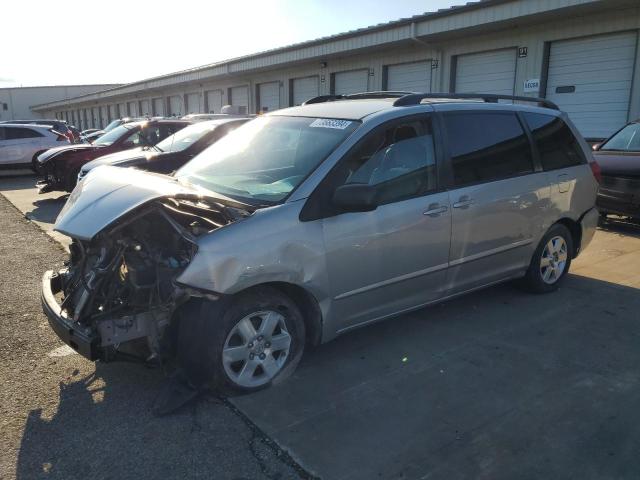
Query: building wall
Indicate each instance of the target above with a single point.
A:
(19, 100)
(445, 39)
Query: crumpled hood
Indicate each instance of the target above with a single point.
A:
(54, 152)
(618, 163)
(100, 199)
(124, 156)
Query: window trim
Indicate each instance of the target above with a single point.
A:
(314, 207)
(450, 185)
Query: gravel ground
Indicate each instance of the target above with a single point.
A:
(64, 417)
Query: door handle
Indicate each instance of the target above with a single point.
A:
(435, 210)
(464, 202)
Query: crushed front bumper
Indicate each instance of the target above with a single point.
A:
(82, 339)
(46, 185)
(619, 196)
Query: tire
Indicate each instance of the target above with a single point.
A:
(229, 344)
(550, 262)
(71, 180)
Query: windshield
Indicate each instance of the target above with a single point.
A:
(184, 138)
(267, 158)
(113, 125)
(627, 139)
(113, 136)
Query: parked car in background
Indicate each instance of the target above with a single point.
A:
(311, 221)
(619, 160)
(59, 126)
(60, 166)
(121, 121)
(92, 137)
(172, 152)
(89, 131)
(21, 144)
(76, 133)
(202, 117)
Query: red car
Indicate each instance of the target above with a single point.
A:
(60, 166)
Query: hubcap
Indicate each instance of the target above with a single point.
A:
(256, 348)
(554, 260)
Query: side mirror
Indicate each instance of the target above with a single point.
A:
(355, 197)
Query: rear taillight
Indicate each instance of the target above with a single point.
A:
(597, 172)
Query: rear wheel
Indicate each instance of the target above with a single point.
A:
(551, 261)
(244, 345)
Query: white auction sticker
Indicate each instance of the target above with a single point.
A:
(330, 123)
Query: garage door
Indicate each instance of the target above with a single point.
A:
(590, 79)
(409, 77)
(175, 105)
(113, 112)
(158, 106)
(269, 95)
(240, 97)
(355, 81)
(122, 110)
(193, 103)
(104, 116)
(132, 109)
(487, 72)
(304, 89)
(145, 108)
(214, 101)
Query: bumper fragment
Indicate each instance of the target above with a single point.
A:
(45, 186)
(78, 337)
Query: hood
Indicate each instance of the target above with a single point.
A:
(125, 156)
(618, 163)
(54, 152)
(101, 199)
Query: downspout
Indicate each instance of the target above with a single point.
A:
(438, 59)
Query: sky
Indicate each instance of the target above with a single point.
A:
(116, 41)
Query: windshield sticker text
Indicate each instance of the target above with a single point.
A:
(328, 123)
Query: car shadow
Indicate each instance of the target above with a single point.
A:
(47, 209)
(439, 391)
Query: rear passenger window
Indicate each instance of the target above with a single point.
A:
(558, 147)
(18, 133)
(486, 147)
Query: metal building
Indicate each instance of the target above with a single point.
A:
(16, 102)
(582, 54)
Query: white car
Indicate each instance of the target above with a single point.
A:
(20, 145)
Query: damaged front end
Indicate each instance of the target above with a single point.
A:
(118, 290)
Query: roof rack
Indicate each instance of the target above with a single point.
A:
(356, 96)
(416, 98)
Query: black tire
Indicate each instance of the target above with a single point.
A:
(71, 180)
(204, 327)
(533, 281)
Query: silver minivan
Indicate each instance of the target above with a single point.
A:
(314, 220)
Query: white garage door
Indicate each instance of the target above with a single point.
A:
(193, 103)
(269, 94)
(158, 106)
(487, 72)
(304, 89)
(175, 105)
(409, 77)
(145, 108)
(214, 101)
(104, 114)
(590, 79)
(240, 97)
(132, 109)
(355, 81)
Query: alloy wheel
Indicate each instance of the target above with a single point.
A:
(256, 349)
(554, 260)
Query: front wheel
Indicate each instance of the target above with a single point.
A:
(551, 261)
(244, 345)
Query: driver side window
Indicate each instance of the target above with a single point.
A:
(397, 159)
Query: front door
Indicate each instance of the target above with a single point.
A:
(498, 200)
(395, 257)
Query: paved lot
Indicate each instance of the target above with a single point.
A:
(499, 384)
